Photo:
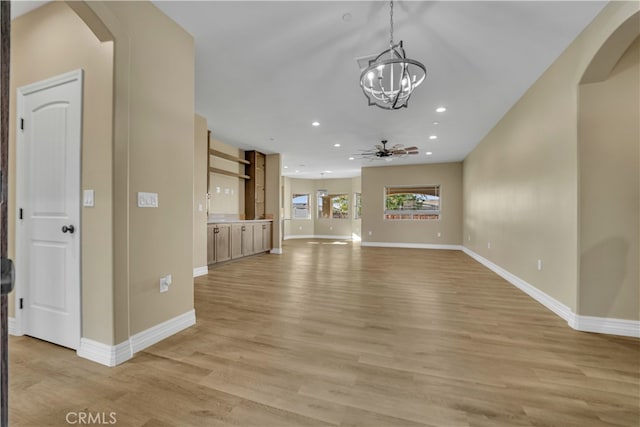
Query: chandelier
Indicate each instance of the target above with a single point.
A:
(391, 77)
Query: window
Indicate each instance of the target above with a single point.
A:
(301, 209)
(413, 203)
(357, 208)
(333, 206)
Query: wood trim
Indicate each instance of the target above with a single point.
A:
(228, 156)
(208, 167)
(5, 58)
(224, 172)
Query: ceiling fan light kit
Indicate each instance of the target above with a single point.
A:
(391, 77)
(382, 152)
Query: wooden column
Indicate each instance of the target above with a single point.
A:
(5, 43)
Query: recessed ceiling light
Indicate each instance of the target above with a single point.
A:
(336, 145)
(428, 153)
(441, 110)
(328, 171)
(297, 171)
(436, 123)
(352, 158)
(286, 167)
(433, 137)
(315, 124)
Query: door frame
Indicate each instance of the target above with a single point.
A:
(20, 289)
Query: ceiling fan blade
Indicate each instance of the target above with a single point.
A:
(411, 148)
(413, 152)
(399, 151)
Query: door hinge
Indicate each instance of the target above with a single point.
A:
(21, 124)
(20, 215)
(21, 303)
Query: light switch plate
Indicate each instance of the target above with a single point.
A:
(147, 200)
(88, 198)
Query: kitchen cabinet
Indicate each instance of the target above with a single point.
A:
(218, 243)
(261, 237)
(211, 247)
(234, 240)
(238, 244)
(247, 240)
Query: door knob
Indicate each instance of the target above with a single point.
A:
(68, 228)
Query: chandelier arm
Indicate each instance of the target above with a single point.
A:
(391, 23)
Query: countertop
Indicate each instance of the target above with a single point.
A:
(235, 221)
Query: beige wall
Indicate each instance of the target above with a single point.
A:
(356, 223)
(200, 193)
(609, 156)
(521, 181)
(161, 152)
(272, 188)
(153, 150)
(41, 42)
(314, 226)
(376, 229)
(226, 192)
(298, 227)
(329, 226)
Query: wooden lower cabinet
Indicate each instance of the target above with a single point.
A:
(266, 236)
(237, 240)
(218, 243)
(257, 237)
(247, 240)
(211, 247)
(261, 237)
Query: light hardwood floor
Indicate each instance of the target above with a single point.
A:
(335, 334)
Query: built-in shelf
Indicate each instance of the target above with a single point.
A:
(225, 172)
(226, 156)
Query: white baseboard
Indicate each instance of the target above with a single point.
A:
(412, 245)
(551, 303)
(332, 237)
(277, 251)
(110, 355)
(13, 327)
(200, 271)
(299, 236)
(316, 236)
(603, 325)
(157, 333)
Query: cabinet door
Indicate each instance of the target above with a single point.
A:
(211, 247)
(236, 240)
(247, 240)
(266, 236)
(223, 242)
(257, 238)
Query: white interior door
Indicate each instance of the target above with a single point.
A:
(48, 200)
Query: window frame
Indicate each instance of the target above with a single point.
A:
(413, 214)
(357, 205)
(331, 196)
(293, 206)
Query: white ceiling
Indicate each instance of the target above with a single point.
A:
(20, 7)
(266, 69)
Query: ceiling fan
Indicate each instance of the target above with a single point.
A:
(382, 152)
